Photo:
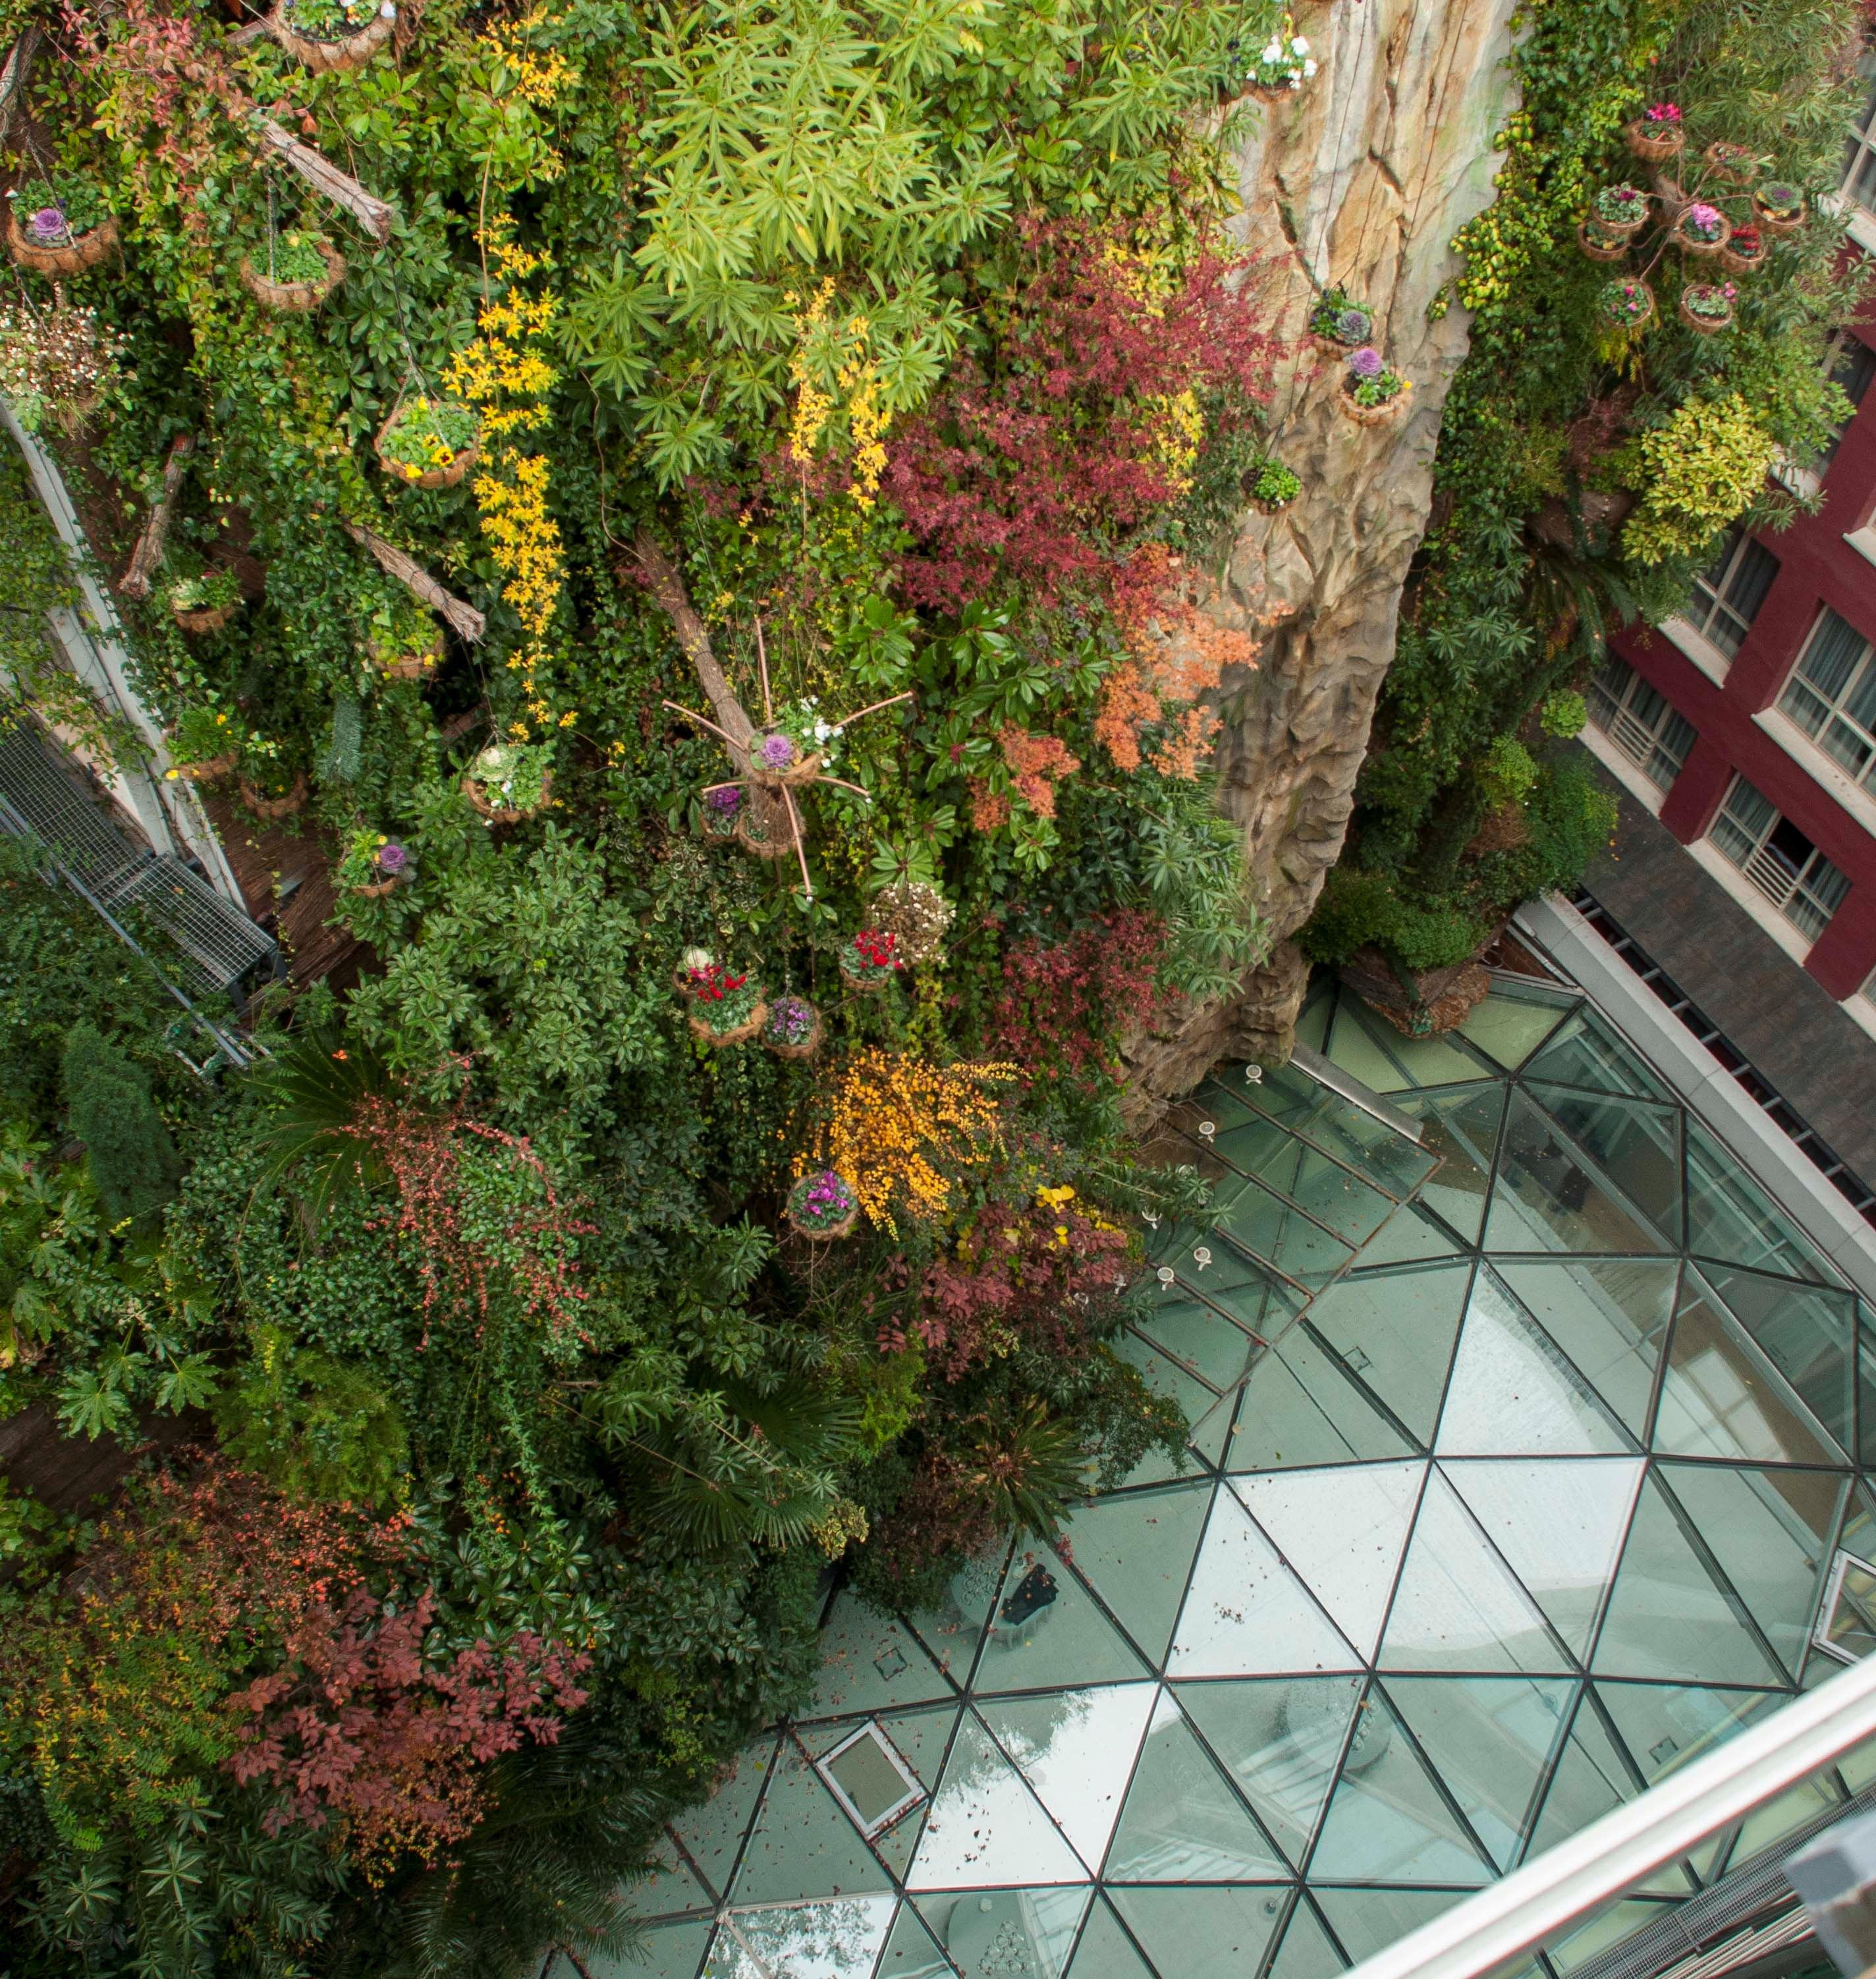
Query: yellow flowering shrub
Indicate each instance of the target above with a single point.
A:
(1700, 471)
(897, 1121)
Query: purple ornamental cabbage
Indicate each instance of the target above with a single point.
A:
(777, 752)
(392, 858)
(725, 800)
(1352, 325)
(1366, 363)
(48, 223)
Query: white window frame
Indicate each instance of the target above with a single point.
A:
(914, 1791)
(1764, 875)
(1700, 617)
(1862, 134)
(1796, 685)
(1627, 730)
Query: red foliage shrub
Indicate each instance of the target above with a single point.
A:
(1061, 1003)
(1084, 427)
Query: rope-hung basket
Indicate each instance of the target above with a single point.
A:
(347, 51)
(293, 298)
(70, 255)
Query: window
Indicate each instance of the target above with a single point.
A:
(1640, 722)
(1832, 695)
(1853, 365)
(870, 1779)
(1727, 596)
(1778, 860)
(1860, 155)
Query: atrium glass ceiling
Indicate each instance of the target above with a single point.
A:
(1520, 1462)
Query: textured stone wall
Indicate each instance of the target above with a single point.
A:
(1362, 177)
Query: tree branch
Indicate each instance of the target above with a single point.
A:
(144, 558)
(409, 572)
(323, 176)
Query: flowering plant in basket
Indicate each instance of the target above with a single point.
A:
(793, 1028)
(426, 437)
(56, 364)
(725, 1009)
(1707, 306)
(1703, 227)
(510, 779)
(52, 216)
(330, 20)
(374, 865)
(1622, 208)
(1657, 132)
(1744, 250)
(1779, 207)
(204, 743)
(1626, 304)
(1273, 485)
(1284, 62)
(1340, 319)
(1372, 380)
(871, 959)
(823, 1205)
(721, 809)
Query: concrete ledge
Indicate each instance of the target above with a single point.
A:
(1755, 1140)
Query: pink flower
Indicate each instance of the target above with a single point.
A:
(1662, 113)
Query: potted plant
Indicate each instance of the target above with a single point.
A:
(1778, 208)
(758, 833)
(1620, 210)
(725, 1009)
(823, 1205)
(56, 365)
(328, 34)
(1372, 392)
(205, 601)
(1707, 306)
(1271, 486)
(794, 1029)
(429, 442)
(916, 912)
(796, 747)
(1701, 229)
(1625, 304)
(1745, 249)
(1732, 164)
(1657, 134)
(1598, 243)
(1338, 323)
(722, 811)
(204, 745)
(689, 977)
(60, 229)
(510, 780)
(1283, 64)
(302, 271)
(404, 643)
(870, 961)
(271, 789)
(373, 866)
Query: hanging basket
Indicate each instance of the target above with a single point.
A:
(208, 770)
(1384, 414)
(1732, 164)
(446, 476)
(1644, 316)
(1654, 141)
(1706, 326)
(1614, 248)
(1689, 244)
(407, 666)
(273, 808)
(376, 890)
(739, 1034)
(802, 1048)
(323, 58)
(804, 769)
(821, 1233)
(82, 251)
(203, 618)
(762, 848)
(293, 298)
(502, 814)
(1774, 222)
(1736, 263)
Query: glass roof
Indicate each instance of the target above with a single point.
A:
(1521, 1460)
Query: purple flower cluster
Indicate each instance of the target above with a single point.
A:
(790, 1020)
(48, 223)
(391, 858)
(777, 752)
(1366, 363)
(724, 800)
(825, 1199)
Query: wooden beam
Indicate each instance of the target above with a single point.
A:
(371, 212)
(409, 572)
(148, 554)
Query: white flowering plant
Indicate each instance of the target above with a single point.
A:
(803, 724)
(56, 364)
(1284, 62)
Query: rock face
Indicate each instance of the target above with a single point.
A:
(1360, 178)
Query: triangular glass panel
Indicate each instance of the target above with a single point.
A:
(1182, 1823)
(1458, 1606)
(1016, 1933)
(1730, 1217)
(1202, 1933)
(1859, 1533)
(1513, 1390)
(1106, 1952)
(1355, 1048)
(803, 1846)
(1668, 1617)
(1281, 1739)
(1808, 1333)
(912, 1952)
(665, 1951)
(1552, 1195)
(1722, 1397)
(1077, 1749)
(1300, 1408)
(1245, 1614)
(1592, 1776)
(1306, 1950)
(1559, 1524)
(712, 1834)
(1135, 1550)
(1462, 1127)
(1439, 1060)
(1665, 1724)
(1633, 1145)
(1407, 1238)
(1395, 1331)
(1369, 1920)
(1770, 1531)
(1586, 1051)
(921, 1738)
(1046, 1628)
(672, 1889)
(951, 1632)
(1610, 1315)
(1509, 1027)
(1388, 1822)
(1201, 1338)
(870, 1663)
(840, 1940)
(1489, 1738)
(1342, 1530)
(986, 1827)
(1164, 1376)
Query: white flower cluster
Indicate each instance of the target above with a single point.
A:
(1285, 63)
(55, 364)
(811, 733)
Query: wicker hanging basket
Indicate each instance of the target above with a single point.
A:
(1647, 316)
(376, 890)
(408, 666)
(1773, 223)
(353, 51)
(446, 476)
(1736, 264)
(1601, 250)
(1706, 326)
(1654, 141)
(293, 298)
(804, 769)
(502, 814)
(739, 1034)
(273, 808)
(199, 620)
(1732, 164)
(207, 769)
(1384, 414)
(803, 1048)
(762, 848)
(825, 1233)
(84, 250)
(1689, 244)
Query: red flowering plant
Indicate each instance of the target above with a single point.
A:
(1062, 1006)
(871, 958)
